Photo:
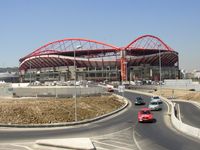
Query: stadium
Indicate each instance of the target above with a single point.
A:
(145, 58)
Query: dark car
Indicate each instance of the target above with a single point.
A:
(139, 101)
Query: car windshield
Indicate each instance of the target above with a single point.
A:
(156, 97)
(138, 98)
(154, 103)
(145, 112)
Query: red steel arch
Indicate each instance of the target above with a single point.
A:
(69, 45)
(148, 42)
(143, 49)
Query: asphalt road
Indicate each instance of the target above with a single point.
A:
(121, 131)
(190, 114)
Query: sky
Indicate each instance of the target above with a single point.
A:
(26, 25)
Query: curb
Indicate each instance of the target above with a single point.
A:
(69, 123)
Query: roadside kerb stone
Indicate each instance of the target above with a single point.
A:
(69, 123)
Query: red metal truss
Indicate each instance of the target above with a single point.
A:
(80, 45)
(89, 53)
(148, 42)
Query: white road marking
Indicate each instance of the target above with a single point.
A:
(112, 133)
(113, 145)
(136, 143)
(136, 133)
(100, 148)
(22, 143)
(122, 143)
(26, 147)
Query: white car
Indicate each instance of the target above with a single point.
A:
(155, 105)
(156, 99)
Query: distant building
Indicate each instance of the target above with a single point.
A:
(9, 77)
(197, 74)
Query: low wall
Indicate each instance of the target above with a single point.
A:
(56, 91)
(6, 90)
(181, 84)
(185, 128)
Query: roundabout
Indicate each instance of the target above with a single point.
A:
(118, 131)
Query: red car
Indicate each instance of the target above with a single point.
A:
(145, 115)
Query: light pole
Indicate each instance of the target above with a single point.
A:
(75, 107)
(160, 67)
(108, 73)
(160, 71)
(30, 72)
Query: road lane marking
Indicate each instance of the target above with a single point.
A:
(26, 147)
(122, 143)
(112, 145)
(136, 133)
(112, 133)
(135, 141)
(100, 148)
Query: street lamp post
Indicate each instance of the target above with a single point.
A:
(75, 107)
(106, 74)
(126, 63)
(160, 71)
(160, 67)
(30, 72)
(107, 79)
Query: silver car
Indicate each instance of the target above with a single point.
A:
(155, 105)
(156, 98)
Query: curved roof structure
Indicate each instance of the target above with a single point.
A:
(91, 53)
(146, 42)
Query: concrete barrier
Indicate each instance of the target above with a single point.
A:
(185, 128)
(186, 84)
(55, 91)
